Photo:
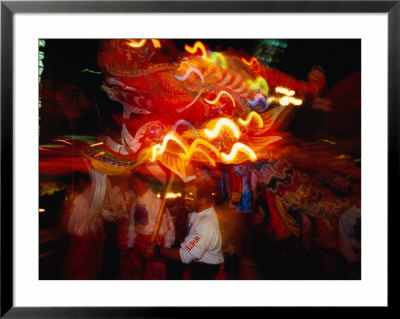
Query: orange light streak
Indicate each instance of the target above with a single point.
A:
(159, 149)
(219, 96)
(239, 147)
(134, 44)
(96, 144)
(173, 195)
(250, 63)
(184, 62)
(222, 123)
(64, 141)
(188, 153)
(250, 116)
(156, 43)
(193, 148)
(197, 45)
(327, 141)
(41, 210)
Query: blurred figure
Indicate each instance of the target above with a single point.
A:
(202, 247)
(84, 258)
(350, 236)
(226, 190)
(246, 199)
(146, 209)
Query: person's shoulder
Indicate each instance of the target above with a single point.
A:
(352, 210)
(208, 216)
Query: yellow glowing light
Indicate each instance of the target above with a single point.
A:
(286, 100)
(184, 63)
(200, 45)
(186, 153)
(173, 195)
(259, 83)
(64, 141)
(250, 116)
(285, 91)
(193, 148)
(134, 44)
(41, 210)
(159, 149)
(96, 144)
(197, 45)
(156, 43)
(239, 147)
(222, 123)
(219, 96)
(99, 153)
(158, 195)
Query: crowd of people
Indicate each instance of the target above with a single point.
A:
(223, 224)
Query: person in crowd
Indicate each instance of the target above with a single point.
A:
(140, 230)
(84, 256)
(350, 235)
(202, 247)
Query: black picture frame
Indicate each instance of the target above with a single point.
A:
(9, 8)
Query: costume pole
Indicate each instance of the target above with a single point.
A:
(160, 215)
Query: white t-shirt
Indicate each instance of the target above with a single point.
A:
(146, 212)
(203, 243)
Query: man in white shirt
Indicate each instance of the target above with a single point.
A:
(202, 247)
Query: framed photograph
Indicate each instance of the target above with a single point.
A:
(160, 157)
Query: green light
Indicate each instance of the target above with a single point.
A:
(90, 71)
(217, 55)
(84, 138)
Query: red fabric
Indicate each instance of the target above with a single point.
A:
(236, 182)
(135, 265)
(328, 232)
(221, 274)
(122, 234)
(84, 257)
(280, 228)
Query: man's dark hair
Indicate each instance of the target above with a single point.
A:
(205, 187)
